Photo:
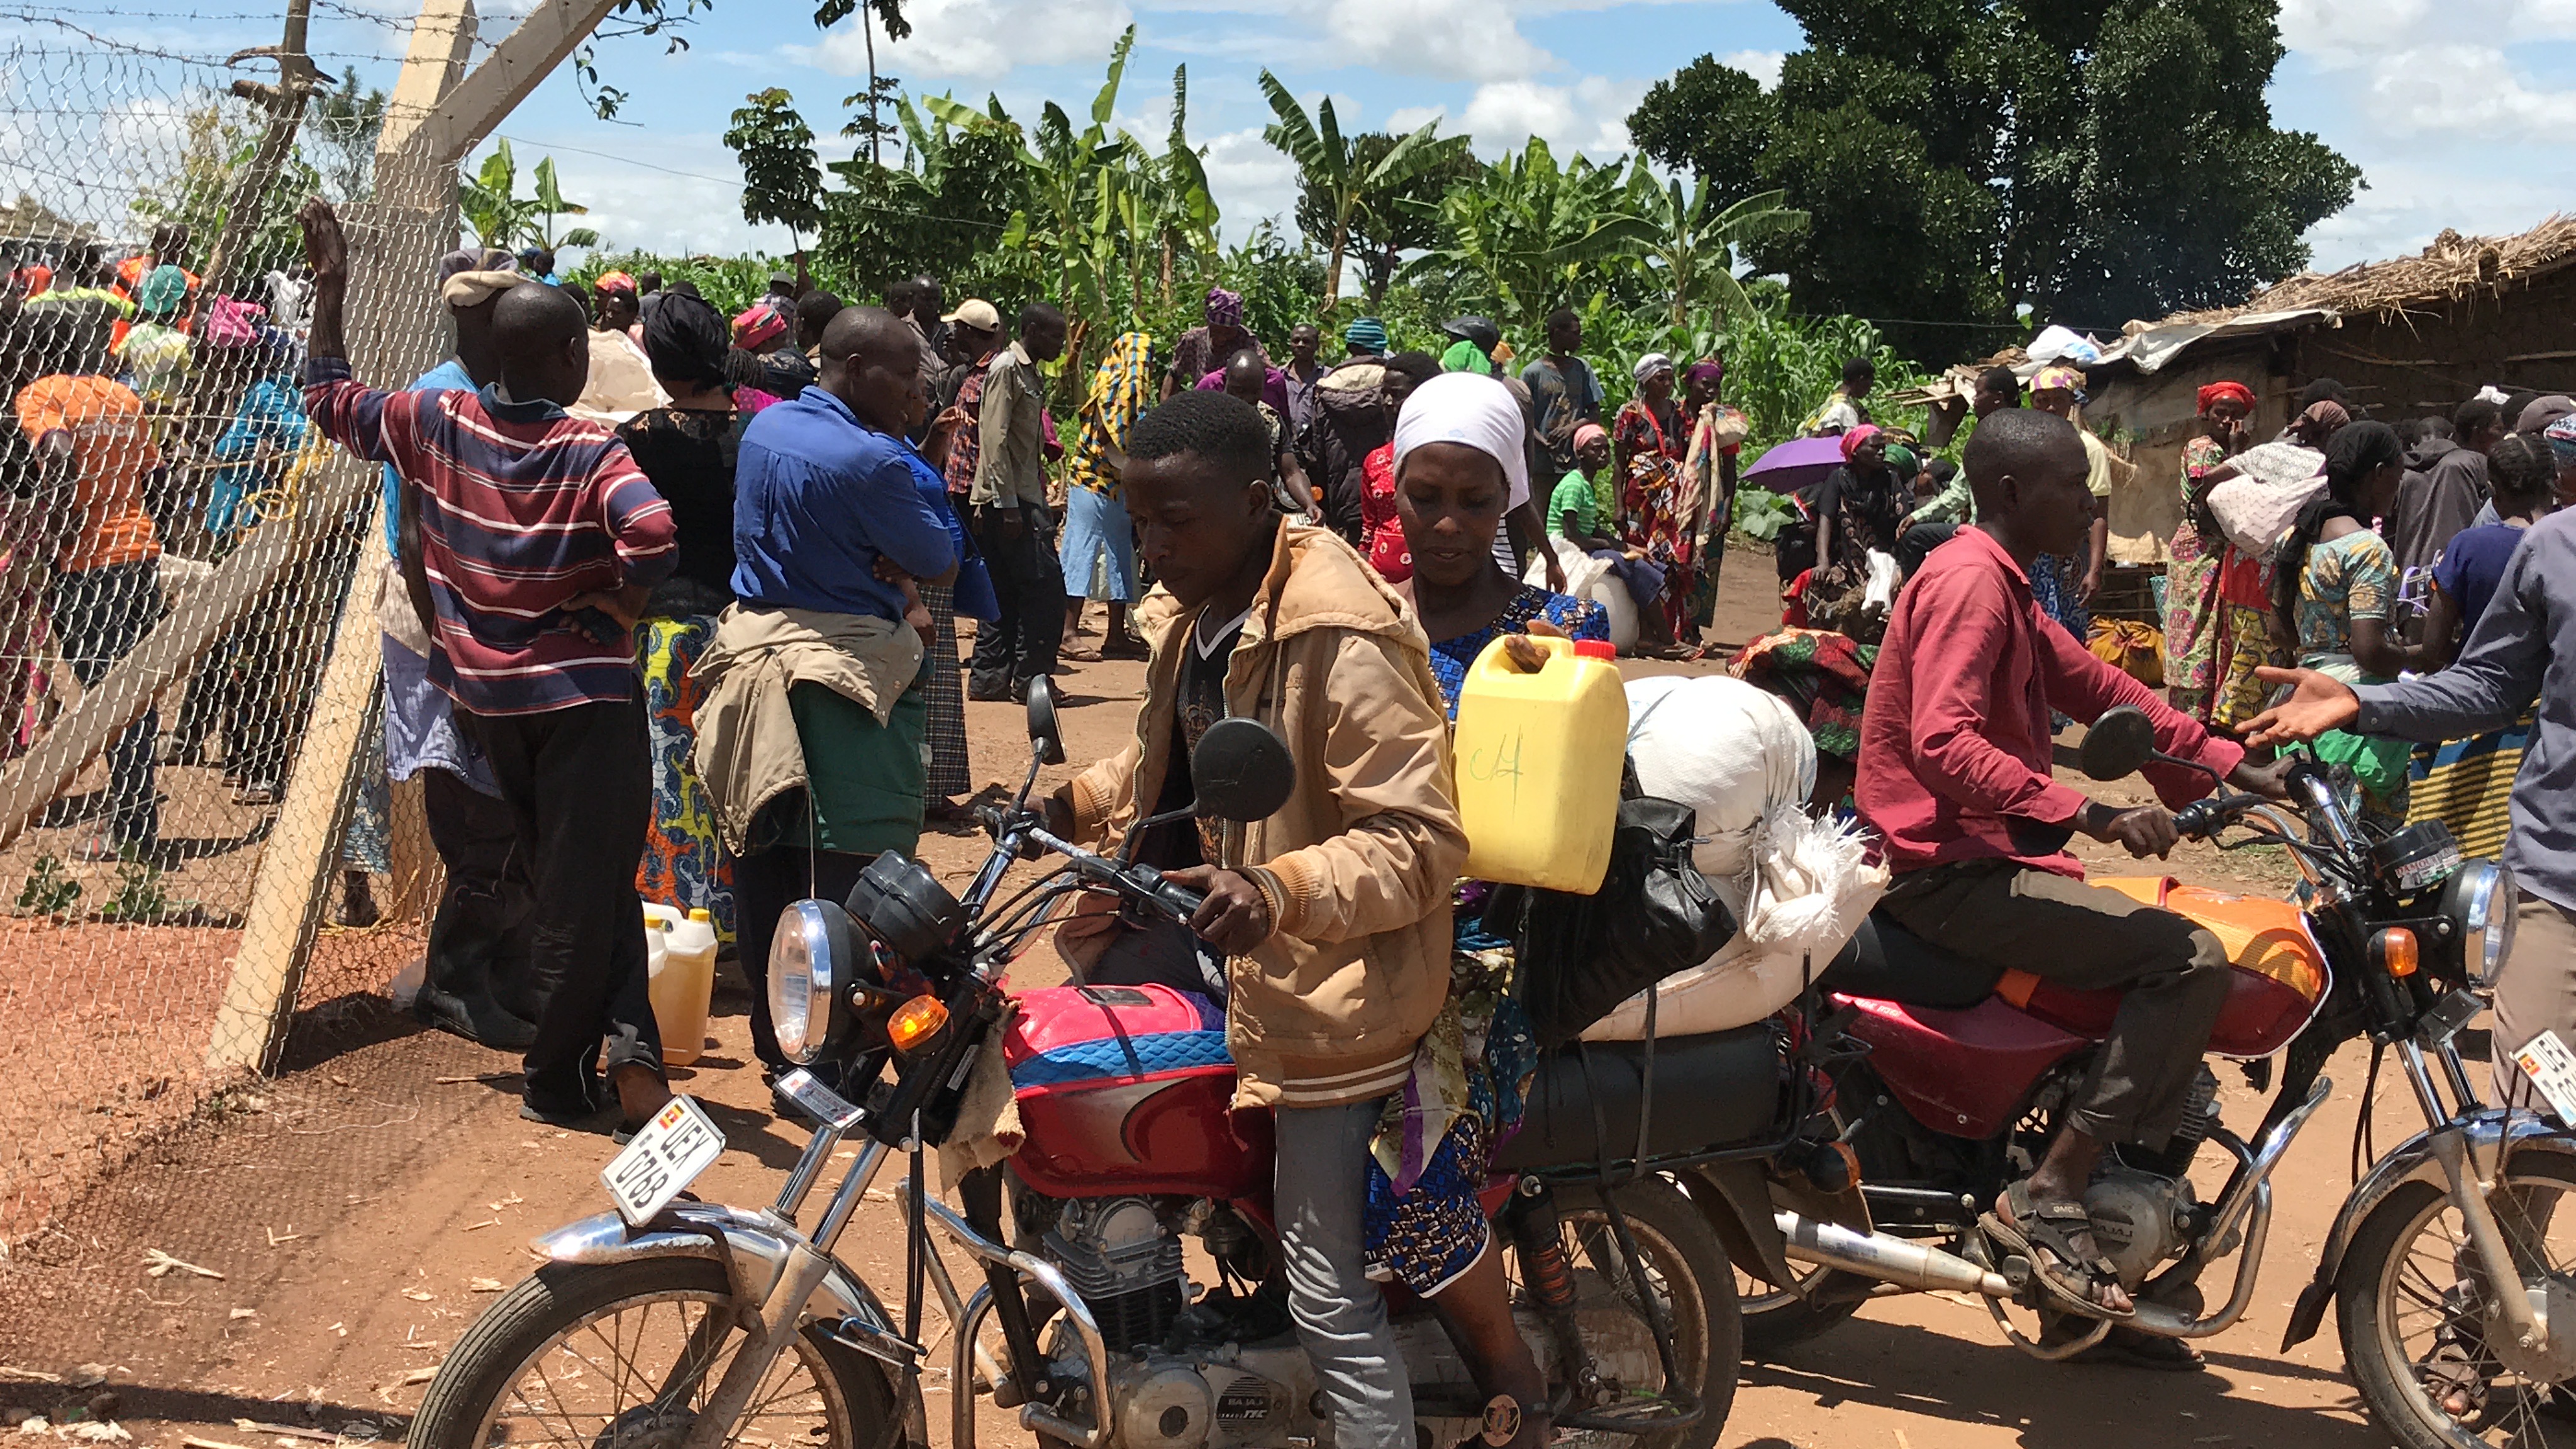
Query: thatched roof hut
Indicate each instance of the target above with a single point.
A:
(2406, 337)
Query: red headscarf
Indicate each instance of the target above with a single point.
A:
(2218, 392)
(1857, 436)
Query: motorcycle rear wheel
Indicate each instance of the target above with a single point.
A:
(580, 1356)
(1687, 1271)
(2402, 1296)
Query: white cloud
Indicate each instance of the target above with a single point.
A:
(2467, 89)
(1405, 119)
(1762, 65)
(1452, 39)
(674, 194)
(979, 39)
(1251, 179)
(1590, 116)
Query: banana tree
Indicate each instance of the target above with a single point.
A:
(1169, 207)
(1519, 237)
(1327, 167)
(550, 203)
(488, 199)
(1694, 244)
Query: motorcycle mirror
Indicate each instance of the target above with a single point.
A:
(1043, 730)
(2119, 742)
(1241, 771)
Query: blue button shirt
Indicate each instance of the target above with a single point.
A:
(818, 497)
(442, 378)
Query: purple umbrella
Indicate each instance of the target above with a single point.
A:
(1795, 464)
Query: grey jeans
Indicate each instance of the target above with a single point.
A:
(2535, 992)
(1340, 1316)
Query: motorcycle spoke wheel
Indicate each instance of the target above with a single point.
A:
(2424, 1339)
(616, 1358)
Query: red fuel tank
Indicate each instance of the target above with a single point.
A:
(1127, 1089)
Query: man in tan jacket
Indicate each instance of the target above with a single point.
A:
(1331, 916)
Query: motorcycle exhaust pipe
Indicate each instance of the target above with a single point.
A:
(1885, 1259)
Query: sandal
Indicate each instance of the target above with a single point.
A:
(2033, 1228)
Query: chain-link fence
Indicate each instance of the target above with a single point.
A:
(197, 840)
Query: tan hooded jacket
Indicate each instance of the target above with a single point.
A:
(1359, 865)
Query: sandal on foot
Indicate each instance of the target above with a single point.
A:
(2045, 1233)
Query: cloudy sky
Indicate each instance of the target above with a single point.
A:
(2450, 106)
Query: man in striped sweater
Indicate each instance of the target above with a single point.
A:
(529, 540)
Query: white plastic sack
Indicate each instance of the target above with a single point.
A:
(2059, 344)
(2273, 482)
(1878, 595)
(1590, 578)
(1742, 760)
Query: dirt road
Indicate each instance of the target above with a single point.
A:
(361, 1208)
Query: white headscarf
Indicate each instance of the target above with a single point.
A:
(1469, 408)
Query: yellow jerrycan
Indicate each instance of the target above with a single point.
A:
(1538, 759)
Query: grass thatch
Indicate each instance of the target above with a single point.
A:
(2454, 266)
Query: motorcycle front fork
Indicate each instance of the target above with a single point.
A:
(2471, 1180)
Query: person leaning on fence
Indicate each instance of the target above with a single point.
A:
(477, 982)
(531, 543)
(90, 432)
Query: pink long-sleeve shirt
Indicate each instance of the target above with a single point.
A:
(1955, 739)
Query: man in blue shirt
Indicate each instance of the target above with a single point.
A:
(831, 529)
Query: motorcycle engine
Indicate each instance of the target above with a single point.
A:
(1125, 1263)
(2139, 1220)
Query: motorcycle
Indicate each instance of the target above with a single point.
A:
(2456, 1321)
(678, 1324)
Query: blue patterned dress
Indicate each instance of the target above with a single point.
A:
(1451, 658)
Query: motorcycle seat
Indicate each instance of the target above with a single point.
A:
(1886, 962)
(1717, 1089)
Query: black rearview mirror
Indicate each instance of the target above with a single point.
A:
(1043, 730)
(2117, 744)
(1241, 771)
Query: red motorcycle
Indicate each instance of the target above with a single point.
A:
(1953, 1079)
(675, 1324)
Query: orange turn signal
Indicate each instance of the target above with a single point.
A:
(2397, 951)
(920, 1019)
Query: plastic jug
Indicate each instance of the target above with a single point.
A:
(1538, 760)
(658, 920)
(682, 984)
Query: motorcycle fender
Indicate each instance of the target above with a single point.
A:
(1735, 1197)
(752, 1247)
(2494, 1138)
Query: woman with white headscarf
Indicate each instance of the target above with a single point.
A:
(1460, 465)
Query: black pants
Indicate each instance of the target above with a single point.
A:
(1028, 581)
(1916, 543)
(580, 790)
(478, 942)
(2171, 975)
(99, 615)
(765, 884)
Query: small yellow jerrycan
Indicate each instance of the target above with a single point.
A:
(1538, 760)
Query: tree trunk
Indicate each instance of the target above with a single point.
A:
(867, 32)
(1333, 268)
(1167, 269)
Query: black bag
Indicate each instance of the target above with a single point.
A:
(1655, 914)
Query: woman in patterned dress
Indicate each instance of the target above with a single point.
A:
(2217, 597)
(687, 449)
(1658, 507)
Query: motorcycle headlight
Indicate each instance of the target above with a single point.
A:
(809, 961)
(2481, 900)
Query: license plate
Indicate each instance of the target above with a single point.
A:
(666, 1155)
(818, 1101)
(2552, 1069)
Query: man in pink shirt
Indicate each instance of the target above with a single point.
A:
(1954, 778)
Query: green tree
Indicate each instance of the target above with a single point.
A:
(196, 191)
(1692, 242)
(1329, 169)
(1525, 235)
(781, 179)
(1401, 215)
(340, 130)
(1957, 160)
(487, 198)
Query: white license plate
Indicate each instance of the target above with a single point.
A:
(2552, 1069)
(666, 1155)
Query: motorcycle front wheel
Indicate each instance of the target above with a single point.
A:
(2410, 1304)
(621, 1356)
